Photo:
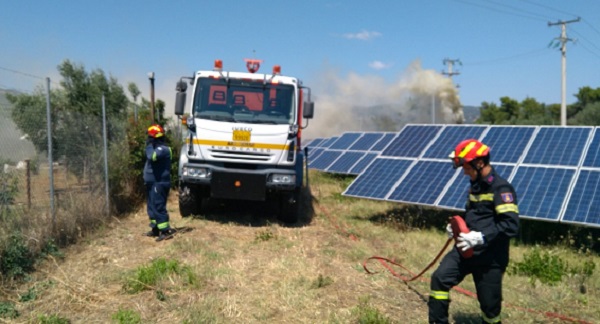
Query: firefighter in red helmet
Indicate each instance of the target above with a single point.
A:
(157, 177)
(492, 218)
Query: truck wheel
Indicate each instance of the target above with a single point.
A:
(289, 206)
(190, 202)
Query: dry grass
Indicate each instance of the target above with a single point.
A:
(251, 269)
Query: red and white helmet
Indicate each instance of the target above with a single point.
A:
(467, 151)
(156, 131)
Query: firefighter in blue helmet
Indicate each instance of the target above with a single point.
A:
(157, 177)
(492, 218)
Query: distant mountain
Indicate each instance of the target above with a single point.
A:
(471, 114)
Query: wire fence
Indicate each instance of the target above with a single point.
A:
(49, 156)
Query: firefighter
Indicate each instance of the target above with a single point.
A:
(492, 217)
(157, 177)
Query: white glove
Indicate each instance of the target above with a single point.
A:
(449, 231)
(469, 240)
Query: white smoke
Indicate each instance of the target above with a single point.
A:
(369, 103)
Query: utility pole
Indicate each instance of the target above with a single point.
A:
(563, 49)
(449, 65)
(151, 77)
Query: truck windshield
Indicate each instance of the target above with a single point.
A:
(244, 101)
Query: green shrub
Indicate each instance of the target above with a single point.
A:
(7, 310)
(148, 277)
(367, 314)
(15, 259)
(547, 268)
(127, 316)
(52, 319)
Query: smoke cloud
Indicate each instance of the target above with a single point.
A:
(368, 103)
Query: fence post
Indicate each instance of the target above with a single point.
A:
(28, 179)
(50, 165)
(104, 135)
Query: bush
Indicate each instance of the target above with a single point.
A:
(15, 259)
(127, 316)
(549, 269)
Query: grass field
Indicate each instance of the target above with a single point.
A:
(237, 264)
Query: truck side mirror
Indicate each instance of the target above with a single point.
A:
(181, 87)
(309, 109)
(179, 103)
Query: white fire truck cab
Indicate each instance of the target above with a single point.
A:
(244, 138)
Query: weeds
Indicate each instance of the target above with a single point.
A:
(148, 277)
(321, 282)
(549, 269)
(15, 259)
(7, 310)
(127, 316)
(367, 314)
(52, 319)
(265, 235)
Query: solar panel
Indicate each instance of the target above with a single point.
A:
(592, 158)
(554, 170)
(366, 141)
(424, 183)
(449, 137)
(327, 142)
(541, 191)
(508, 143)
(456, 195)
(383, 143)
(584, 202)
(344, 141)
(345, 162)
(360, 166)
(376, 181)
(314, 142)
(411, 141)
(558, 146)
(323, 161)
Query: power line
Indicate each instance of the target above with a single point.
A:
(496, 60)
(22, 73)
(548, 7)
(519, 10)
(502, 11)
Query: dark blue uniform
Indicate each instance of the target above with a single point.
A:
(157, 177)
(492, 210)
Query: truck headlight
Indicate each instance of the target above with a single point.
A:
(283, 178)
(196, 172)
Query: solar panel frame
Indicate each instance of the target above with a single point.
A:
(323, 161)
(345, 162)
(592, 156)
(371, 180)
(558, 145)
(422, 183)
(508, 143)
(366, 141)
(449, 136)
(345, 141)
(538, 195)
(412, 140)
(383, 142)
(583, 206)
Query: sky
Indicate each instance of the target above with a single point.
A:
(338, 48)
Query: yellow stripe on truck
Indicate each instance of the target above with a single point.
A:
(239, 144)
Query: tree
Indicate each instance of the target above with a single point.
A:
(585, 96)
(590, 115)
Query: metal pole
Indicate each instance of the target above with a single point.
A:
(433, 109)
(50, 166)
(563, 83)
(151, 77)
(104, 135)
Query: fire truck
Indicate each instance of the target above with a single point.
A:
(243, 138)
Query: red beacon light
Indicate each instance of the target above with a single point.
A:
(277, 69)
(252, 65)
(218, 65)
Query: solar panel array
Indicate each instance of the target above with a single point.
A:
(349, 153)
(555, 170)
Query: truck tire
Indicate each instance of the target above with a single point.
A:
(289, 206)
(190, 202)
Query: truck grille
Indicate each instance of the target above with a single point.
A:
(240, 155)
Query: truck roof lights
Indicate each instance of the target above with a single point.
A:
(252, 65)
(276, 69)
(218, 65)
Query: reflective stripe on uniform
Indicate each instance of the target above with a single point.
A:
(439, 295)
(507, 208)
(163, 226)
(483, 197)
(496, 319)
(154, 156)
